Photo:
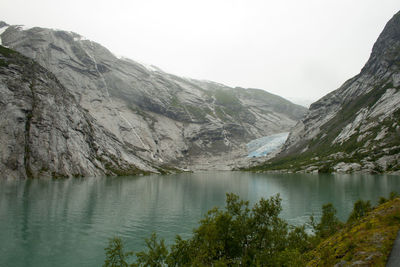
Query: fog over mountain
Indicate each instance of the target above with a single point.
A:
(301, 49)
(355, 128)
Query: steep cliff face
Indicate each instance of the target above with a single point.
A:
(164, 118)
(356, 127)
(46, 133)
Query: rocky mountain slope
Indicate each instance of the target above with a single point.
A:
(46, 133)
(160, 118)
(356, 127)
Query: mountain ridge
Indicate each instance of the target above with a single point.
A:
(356, 127)
(162, 118)
(45, 132)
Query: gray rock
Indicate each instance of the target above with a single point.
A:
(160, 118)
(359, 263)
(46, 133)
(341, 263)
(347, 167)
(361, 117)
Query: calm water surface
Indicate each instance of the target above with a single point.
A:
(69, 222)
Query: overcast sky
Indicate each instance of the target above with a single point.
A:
(294, 48)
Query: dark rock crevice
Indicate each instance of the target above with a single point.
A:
(27, 149)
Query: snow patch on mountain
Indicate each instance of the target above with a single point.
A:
(24, 27)
(80, 38)
(150, 67)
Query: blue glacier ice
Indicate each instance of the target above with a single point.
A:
(265, 145)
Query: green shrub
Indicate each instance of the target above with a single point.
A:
(329, 223)
(115, 255)
(360, 209)
(393, 195)
(237, 235)
(242, 236)
(382, 200)
(155, 255)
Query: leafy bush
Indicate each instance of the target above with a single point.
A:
(329, 223)
(382, 200)
(115, 255)
(393, 195)
(241, 236)
(155, 255)
(234, 236)
(360, 209)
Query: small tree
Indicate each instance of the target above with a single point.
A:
(393, 195)
(382, 200)
(181, 253)
(156, 253)
(234, 236)
(360, 209)
(115, 255)
(329, 222)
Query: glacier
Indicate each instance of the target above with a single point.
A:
(263, 146)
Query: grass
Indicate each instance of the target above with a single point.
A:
(3, 63)
(220, 114)
(124, 170)
(196, 112)
(226, 98)
(6, 52)
(368, 240)
(111, 164)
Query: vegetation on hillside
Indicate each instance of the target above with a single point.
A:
(242, 236)
(366, 241)
(322, 154)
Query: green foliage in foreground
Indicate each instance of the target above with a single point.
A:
(239, 236)
(329, 222)
(115, 255)
(364, 242)
(360, 209)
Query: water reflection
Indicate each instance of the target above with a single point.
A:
(68, 222)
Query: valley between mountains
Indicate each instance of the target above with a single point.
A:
(70, 107)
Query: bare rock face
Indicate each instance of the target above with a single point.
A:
(355, 128)
(164, 119)
(46, 133)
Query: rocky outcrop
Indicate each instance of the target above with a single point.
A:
(46, 133)
(355, 128)
(163, 118)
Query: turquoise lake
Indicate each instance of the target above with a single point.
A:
(68, 222)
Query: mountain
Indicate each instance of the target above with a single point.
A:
(45, 132)
(355, 128)
(158, 119)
